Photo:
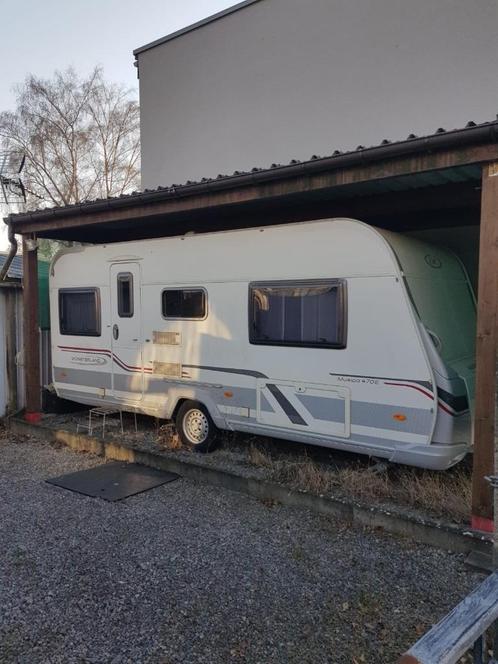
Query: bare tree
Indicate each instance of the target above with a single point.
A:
(80, 137)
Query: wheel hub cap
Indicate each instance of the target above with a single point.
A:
(196, 426)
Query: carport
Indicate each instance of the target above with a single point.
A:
(445, 184)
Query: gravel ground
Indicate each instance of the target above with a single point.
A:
(187, 573)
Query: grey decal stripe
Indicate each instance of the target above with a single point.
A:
(364, 413)
(324, 408)
(244, 372)
(264, 404)
(98, 379)
(286, 406)
(245, 397)
(460, 404)
(380, 416)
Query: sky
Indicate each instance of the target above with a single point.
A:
(39, 37)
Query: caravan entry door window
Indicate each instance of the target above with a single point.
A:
(125, 294)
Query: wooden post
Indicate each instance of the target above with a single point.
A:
(31, 331)
(484, 430)
(11, 347)
(494, 557)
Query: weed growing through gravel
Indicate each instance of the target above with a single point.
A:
(259, 457)
(168, 438)
(443, 493)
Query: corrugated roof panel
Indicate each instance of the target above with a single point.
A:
(15, 270)
(488, 132)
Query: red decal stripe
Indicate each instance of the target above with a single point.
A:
(446, 408)
(441, 404)
(413, 387)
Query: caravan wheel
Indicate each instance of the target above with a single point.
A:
(195, 426)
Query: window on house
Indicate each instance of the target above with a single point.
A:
(125, 294)
(184, 303)
(299, 313)
(79, 312)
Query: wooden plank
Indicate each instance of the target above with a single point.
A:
(31, 332)
(482, 495)
(273, 184)
(456, 633)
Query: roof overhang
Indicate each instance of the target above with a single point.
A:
(194, 26)
(439, 172)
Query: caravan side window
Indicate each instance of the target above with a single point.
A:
(298, 313)
(187, 303)
(79, 311)
(125, 294)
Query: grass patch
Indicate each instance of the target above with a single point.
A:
(445, 493)
(168, 438)
(259, 457)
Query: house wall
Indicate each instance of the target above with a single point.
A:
(284, 79)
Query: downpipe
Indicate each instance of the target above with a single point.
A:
(12, 252)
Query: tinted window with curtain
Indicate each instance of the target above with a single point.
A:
(299, 314)
(79, 312)
(125, 295)
(184, 303)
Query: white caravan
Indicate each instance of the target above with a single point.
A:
(327, 332)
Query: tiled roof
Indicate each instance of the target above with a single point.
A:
(385, 149)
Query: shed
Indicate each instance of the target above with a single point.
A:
(11, 333)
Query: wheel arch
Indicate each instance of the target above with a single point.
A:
(203, 397)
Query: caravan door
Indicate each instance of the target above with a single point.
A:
(126, 332)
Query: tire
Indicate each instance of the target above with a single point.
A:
(195, 427)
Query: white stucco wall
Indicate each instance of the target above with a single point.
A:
(284, 79)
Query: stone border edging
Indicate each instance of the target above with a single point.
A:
(426, 531)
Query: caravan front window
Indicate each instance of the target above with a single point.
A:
(79, 312)
(298, 313)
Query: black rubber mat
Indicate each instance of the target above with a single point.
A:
(114, 481)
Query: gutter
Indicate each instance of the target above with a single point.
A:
(442, 140)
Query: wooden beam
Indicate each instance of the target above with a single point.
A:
(248, 188)
(456, 634)
(31, 330)
(446, 204)
(487, 305)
